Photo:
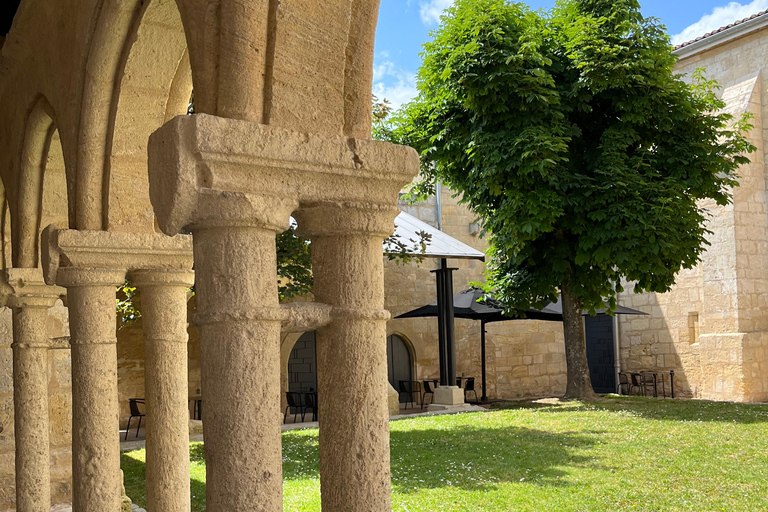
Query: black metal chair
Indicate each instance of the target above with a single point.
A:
(294, 401)
(310, 403)
(459, 380)
(404, 387)
(416, 390)
(133, 404)
(636, 383)
(428, 390)
(469, 386)
(622, 388)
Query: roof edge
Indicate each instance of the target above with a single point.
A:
(722, 36)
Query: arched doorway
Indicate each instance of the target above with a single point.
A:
(302, 365)
(399, 364)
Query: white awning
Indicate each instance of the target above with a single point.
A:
(440, 245)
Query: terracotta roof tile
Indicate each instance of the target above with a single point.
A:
(722, 29)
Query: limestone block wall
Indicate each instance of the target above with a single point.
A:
(523, 357)
(714, 324)
(60, 411)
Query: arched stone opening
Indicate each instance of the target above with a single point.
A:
(401, 361)
(41, 187)
(155, 86)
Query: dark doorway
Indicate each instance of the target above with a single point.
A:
(302, 365)
(600, 353)
(398, 363)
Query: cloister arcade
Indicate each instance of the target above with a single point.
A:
(101, 170)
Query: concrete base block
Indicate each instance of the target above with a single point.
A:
(447, 396)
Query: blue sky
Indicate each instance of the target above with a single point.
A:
(405, 24)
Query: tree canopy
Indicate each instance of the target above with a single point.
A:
(570, 134)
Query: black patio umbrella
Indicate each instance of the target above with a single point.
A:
(469, 304)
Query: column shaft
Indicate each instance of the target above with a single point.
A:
(164, 313)
(30, 400)
(239, 320)
(352, 374)
(95, 428)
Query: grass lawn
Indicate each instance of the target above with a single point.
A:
(619, 454)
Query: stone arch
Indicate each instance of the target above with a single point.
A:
(155, 86)
(287, 342)
(40, 129)
(411, 350)
(136, 59)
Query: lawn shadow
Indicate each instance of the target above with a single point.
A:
(657, 409)
(474, 458)
(467, 457)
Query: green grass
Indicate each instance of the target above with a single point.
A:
(619, 454)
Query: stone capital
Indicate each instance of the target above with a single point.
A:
(345, 219)
(71, 257)
(205, 169)
(26, 288)
(162, 277)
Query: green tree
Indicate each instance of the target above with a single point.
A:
(569, 133)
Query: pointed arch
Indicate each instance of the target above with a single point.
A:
(39, 130)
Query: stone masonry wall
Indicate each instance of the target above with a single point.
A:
(714, 324)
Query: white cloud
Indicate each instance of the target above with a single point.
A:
(393, 83)
(720, 17)
(432, 9)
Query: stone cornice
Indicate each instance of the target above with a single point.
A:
(192, 155)
(69, 248)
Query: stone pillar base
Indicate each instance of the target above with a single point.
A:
(447, 397)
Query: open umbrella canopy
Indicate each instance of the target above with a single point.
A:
(466, 305)
(469, 304)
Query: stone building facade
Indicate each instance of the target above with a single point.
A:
(714, 324)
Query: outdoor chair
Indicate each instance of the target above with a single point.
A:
(649, 384)
(636, 383)
(469, 386)
(406, 389)
(133, 404)
(310, 403)
(458, 381)
(294, 402)
(428, 390)
(416, 390)
(623, 387)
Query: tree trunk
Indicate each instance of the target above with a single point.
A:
(579, 383)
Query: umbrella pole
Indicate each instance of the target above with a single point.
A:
(445, 325)
(484, 396)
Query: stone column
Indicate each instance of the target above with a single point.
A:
(30, 300)
(239, 318)
(91, 264)
(348, 272)
(164, 310)
(95, 428)
(234, 185)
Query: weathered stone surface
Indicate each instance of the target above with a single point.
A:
(393, 400)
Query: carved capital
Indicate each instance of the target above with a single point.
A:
(107, 255)
(203, 168)
(162, 277)
(340, 219)
(25, 288)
